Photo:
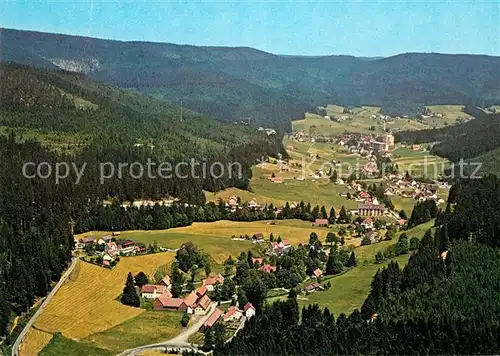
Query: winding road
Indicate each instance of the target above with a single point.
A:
(22, 335)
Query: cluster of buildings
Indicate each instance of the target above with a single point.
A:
(400, 186)
(233, 204)
(232, 314)
(197, 302)
(109, 247)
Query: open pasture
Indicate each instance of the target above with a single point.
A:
(215, 238)
(147, 328)
(88, 305)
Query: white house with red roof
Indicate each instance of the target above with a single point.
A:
(367, 223)
(233, 313)
(249, 310)
(151, 291)
(166, 282)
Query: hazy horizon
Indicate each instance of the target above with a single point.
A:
(360, 28)
(237, 46)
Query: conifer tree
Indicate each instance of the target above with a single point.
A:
(352, 262)
(130, 296)
(141, 279)
(332, 217)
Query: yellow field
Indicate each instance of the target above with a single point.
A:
(34, 342)
(87, 305)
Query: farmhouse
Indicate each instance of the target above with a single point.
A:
(166, 282)
(212, 319)
(163, 302)
(249, 310)
(233, 313)
(211, 282)
(150, 291)
(197, 302)
(202, 305)
(321, 223)
(313, 287)
(88, 240)
(126, 247)
(258, 237)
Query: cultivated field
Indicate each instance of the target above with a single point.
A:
(86, 304)
(34, 342)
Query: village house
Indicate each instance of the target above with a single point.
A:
(249, 310)
(280, 248)
(212, 319)
(126, 247)
(367, 223)
(150, 291)
(253, 204)
(310, 288)
(268, 268)
(211, 282)
(190, 301)
(87, 241)
(258, 237)
(321, 223)
(165, 281)
(317, 273)
(232, 202)
(233, 313)
(164, 302)
(202, 305)
(201, 291)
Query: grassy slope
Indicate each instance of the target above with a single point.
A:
(350, 289)
(215, 238)
(62, 346)
(147, 328)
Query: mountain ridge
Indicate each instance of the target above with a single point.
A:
(231, 83)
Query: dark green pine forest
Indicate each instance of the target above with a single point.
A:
(445, 301)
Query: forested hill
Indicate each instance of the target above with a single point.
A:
(80, 119)
(466, 140)
(234, 83)
(445, 301)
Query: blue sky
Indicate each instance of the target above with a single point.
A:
(361, 28)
